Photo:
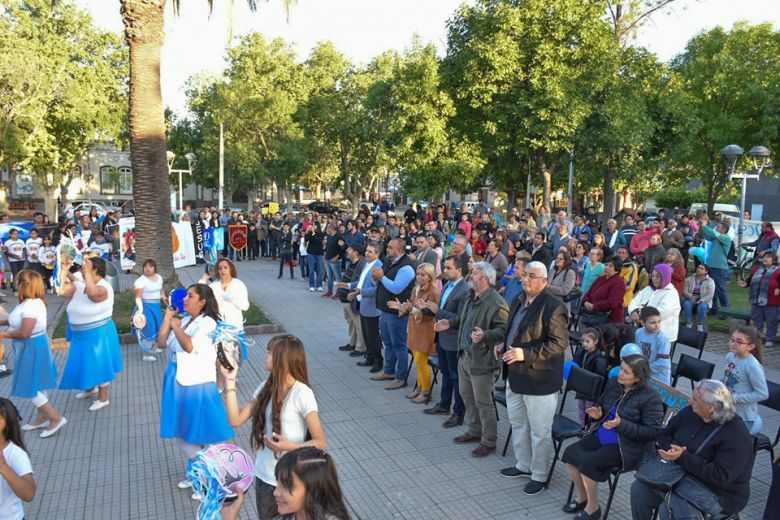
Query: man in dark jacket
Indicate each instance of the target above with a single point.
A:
(354, 267)
(481, 324)
(453, 296)
(533, 353)
(285, 243)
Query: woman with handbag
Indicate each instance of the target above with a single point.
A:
(561, 279)
(627, 420)
(603, 303)
(704, 457)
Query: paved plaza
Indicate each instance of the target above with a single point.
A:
(393, 460)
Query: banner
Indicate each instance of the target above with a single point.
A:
(183, 244)
(237, 236)
(197, 235)
(127, 242)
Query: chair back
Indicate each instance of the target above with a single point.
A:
(583, 382)
(693, 368)
(692, 338)
(773, 401)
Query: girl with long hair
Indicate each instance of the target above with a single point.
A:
(308, 487)
(16, 478)
(148, 293)
(34, 369)
(191, 410)
(744, 376)
(283, 412)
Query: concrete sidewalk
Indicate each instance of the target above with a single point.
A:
(393, 460)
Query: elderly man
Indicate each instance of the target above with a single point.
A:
(460, 247)
(614, 237)
(352, 273)
(671, 237)
(533, 353)
(552, 229)
(481, 324)
(394, 281)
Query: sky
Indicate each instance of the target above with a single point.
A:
(362, 29)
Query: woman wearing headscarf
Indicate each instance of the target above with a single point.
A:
(662, 295)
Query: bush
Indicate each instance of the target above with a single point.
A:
(680, 198)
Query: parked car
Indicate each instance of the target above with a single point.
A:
(86, 206)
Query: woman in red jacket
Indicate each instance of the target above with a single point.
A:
(679, 272)
(604, 300)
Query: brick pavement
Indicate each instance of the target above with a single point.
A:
(393, 460)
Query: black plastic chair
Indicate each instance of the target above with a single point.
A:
(499, 397)
(433, 362)
(692, 368)
(761, 441)
(688, 337)
(612, 482)
(583, 382)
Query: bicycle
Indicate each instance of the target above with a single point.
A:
(745, 261)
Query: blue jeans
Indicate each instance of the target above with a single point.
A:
(721, 278)
(765, 315)
(334, 273)
(393, 330)
(315, 268)
(701, 311)
(303, 263)
(448, 368)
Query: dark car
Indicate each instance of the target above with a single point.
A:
(324, 207)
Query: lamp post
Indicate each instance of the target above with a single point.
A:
(570, 191)
(192, 160)
(731, 155)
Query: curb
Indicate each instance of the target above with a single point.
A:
(126, 339)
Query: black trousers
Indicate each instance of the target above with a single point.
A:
(372, 338)
(286, 257)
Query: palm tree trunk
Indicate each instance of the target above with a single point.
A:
(143, 20)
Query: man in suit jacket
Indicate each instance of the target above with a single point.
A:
(539, 249)
(533, 353)
(453, 295)
(363, 289)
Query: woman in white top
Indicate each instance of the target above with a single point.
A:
(191, 410)
(16, 478)
(283, 411)
(34, 369)
(94, 357)
(148, 293)
(232, 297)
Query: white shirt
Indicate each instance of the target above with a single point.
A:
(233, 301)
(152, 287)
(15, 250)
(83, 310)
(30, 308)
(196, 367)
(102, 250)
(47, 255)
(33, 245)
(298, 403)
(366, 270)
(10, 504)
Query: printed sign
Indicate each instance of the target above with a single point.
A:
(127, 242)
(237, 236)
(183, 244)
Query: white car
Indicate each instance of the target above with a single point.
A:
(86, 206)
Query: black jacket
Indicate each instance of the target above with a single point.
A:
(641, 416)
(285, 242)
(351, 274)
(543, 335)
(383, 295)
(724, 465)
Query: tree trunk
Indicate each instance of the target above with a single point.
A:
(143, 20)
(546, 178)
(510, 200)
(609, 195)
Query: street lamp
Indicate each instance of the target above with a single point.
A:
(731, 155)
(192, 160)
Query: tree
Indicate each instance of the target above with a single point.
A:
(727, 86)
(521, 74)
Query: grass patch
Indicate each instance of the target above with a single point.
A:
(124, 303)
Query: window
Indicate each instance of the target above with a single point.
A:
(116, 181)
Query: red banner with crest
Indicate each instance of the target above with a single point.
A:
(237, 236)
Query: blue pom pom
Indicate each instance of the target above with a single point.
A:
(177, 298)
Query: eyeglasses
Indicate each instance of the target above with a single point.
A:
(734, 339)
(526, 276)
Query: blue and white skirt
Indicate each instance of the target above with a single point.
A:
(148, 335)
(193, 413)
(95, 356)
(34, 368)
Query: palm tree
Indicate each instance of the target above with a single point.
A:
(143, 20)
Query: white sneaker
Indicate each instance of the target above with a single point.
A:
(149, 357)
(158, 350)
(84, 394)
(97, 405)
(197, 496)
(319, 289)
(184, 484)
(769, 343)
(311, 289)
(48, 433)
(30, 426)
(700, 328)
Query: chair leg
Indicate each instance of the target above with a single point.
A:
(506, 443)
(613, 481)
(495, 407)
(571, 493)
(409, 370)
(557, 445)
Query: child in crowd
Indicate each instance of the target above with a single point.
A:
(744, 376)
(48, 256)
(591, 358)
(14, 253)
(308, 484)
(655, 346)
(252, 243)
(16, 477)
(100, 247)
(32, 249)
(613, 337)
(283, 412)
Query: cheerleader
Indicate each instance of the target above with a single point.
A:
(147, 315)
(283, 410)
(191, 410)
(16, 475)
(34, 369)
(94, 358)
(48, 256)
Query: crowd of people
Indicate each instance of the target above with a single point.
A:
(489, 303)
